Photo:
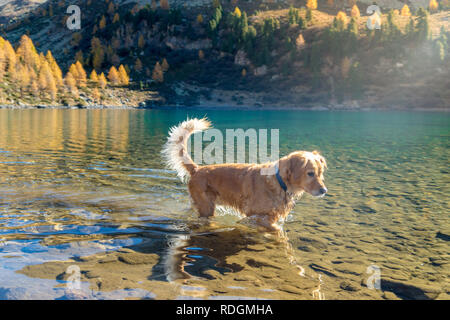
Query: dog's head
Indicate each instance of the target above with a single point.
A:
(304, 171)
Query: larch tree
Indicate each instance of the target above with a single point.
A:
(433, 6)
(2, 62)
(46, 80)
(98, 53)
(113, 76)
(123, 75)
(54, 67)
(23, 77)
(73, 70)
(96, 95)
(26, 52)
(116, 18)
(341, 16)
(10, 57)
(34, 88)
(50, 83)
(158, 74)
(71, 83)
(102, 23)
(81, 74)
(311, 4)
(138, 65)
(165, 65)
(355, 12)
(405, 11)
(93, 77)
(102, 82)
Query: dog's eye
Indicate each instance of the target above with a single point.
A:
(311, 174)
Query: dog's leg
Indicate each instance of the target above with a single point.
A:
(268, 224)
(204, 203)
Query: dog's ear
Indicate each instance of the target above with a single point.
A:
(297, 164)
(322, 160)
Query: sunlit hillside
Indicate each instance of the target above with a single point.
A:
(259, 53)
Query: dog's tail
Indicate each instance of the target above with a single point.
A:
(175, 150)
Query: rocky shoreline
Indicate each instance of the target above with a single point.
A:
(185, 96)
(340, 107)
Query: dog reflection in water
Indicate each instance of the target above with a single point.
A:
(210, 247)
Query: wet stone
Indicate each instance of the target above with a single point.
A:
(348, 286)
(137, 258)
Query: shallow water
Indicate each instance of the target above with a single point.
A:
(87, 190)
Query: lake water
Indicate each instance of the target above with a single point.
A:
(85, 192)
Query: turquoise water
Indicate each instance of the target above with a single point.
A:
(81, 187)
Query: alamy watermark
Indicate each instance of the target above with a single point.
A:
(74, 280)
(73, 22)
(374, 21)
(233, 149)
(374, 280)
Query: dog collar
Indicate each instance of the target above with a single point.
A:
(280, 180)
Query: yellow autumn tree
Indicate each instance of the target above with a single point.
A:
(200, 19)
(54, 67)
(34, 88)
(10, 57)
(71, 83)
(42, 80)
(21, 77)
(81, 74)
(341, 16)
(2, 62)
(311, 4)
(113, 76)
(405, 11)
(93, 77)
(123, 76)
(26, 52)
(433, 6)
(237, 12)
(47, 81)
(355, 12)
(102, 82)
(96, 95)
(300, 42)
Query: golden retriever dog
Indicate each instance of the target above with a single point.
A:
(243, 187)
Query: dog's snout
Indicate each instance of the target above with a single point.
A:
(323, 190)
